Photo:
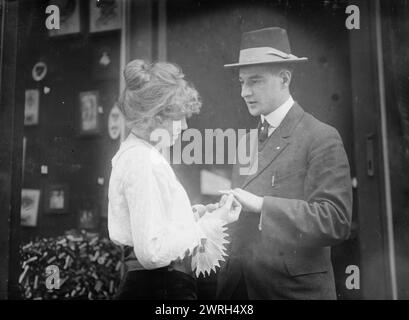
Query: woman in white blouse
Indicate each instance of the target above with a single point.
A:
(149, 212)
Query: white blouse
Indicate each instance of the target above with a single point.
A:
(150, 211)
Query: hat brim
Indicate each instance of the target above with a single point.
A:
(283, 61)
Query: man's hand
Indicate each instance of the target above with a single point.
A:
(248, 200)
(229, 211)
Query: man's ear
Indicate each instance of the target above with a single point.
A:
(285, 77)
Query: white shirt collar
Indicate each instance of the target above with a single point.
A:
(132, 141)
(275, 118)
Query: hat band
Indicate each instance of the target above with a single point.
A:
(262, 54)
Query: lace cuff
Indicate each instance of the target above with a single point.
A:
(211, 251)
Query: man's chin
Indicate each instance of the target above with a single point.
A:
(254, 112)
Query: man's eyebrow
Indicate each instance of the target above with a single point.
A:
(253, 77)
(256, 76)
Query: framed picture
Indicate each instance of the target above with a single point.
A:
(30, 199)
(116, 123)
(89, 113)
(31, 107)
(56, 198)
(39, 71)
(105, 15)
(88, 218)
(69, 17)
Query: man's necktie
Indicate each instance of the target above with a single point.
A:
(263, 131)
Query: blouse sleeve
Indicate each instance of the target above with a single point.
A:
(158, 238)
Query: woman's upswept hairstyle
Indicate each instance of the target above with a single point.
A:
(155, 92)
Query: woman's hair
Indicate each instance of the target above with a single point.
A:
(156, 92)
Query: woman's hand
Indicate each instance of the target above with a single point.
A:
(199, 209)
(229, 211)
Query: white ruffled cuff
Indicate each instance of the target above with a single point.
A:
(211, 251)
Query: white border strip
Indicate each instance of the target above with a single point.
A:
(389, 212)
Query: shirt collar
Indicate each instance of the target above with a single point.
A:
(275, 118)
(131, 141)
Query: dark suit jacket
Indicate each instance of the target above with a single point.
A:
(303, 175)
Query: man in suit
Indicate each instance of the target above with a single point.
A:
(298, 203)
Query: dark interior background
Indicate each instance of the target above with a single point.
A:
(73, 160)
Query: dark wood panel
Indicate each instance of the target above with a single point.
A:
(375, 272)
(10, 152)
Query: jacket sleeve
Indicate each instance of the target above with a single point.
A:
(324, 217)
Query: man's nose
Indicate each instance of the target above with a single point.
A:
(245, 91)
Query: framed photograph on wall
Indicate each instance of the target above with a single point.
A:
(31, 107)
(116, 123)
(69, 17)
(30, 199)
(88, 218)
(89, 113)
(105, 15)
(56, 198)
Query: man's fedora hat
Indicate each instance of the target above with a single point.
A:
(269, 45)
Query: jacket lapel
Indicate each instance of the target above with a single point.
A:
(277, 142)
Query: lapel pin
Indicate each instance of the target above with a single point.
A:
(272, 180)
(278, 148)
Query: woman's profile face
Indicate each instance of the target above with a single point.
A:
(172, 128)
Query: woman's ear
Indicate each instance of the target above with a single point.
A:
(158, 119)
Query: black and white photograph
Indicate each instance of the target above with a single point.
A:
(56, 198)
(89, 119)
(211, 153)
(88, 218)
(30, 199)
(105, 15)
(31, 107)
